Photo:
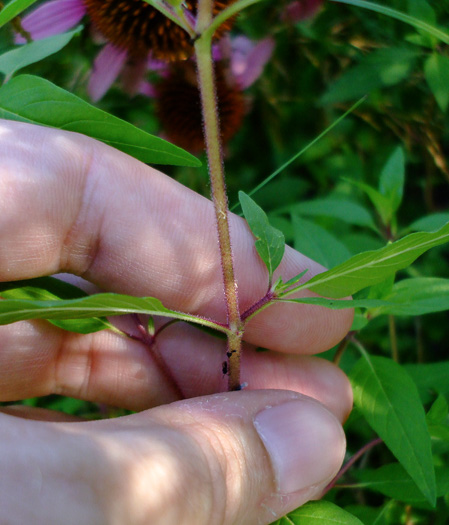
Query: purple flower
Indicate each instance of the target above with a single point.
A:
(133, 30)
(238, 64)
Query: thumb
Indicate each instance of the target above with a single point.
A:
(245, 457)
(235, 458)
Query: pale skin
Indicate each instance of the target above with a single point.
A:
(71, 204)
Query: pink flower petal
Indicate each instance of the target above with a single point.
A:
(248, 60)
(52, 18)
(147, 89)
(108, 64)
(133, 76)
(299, 10)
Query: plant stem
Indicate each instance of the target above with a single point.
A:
(206, 82)
(17, 25)
(393, 338)
(351, 462)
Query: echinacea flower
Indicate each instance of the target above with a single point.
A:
(239, 63)
(132, 28)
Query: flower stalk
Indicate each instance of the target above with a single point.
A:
(206, 82)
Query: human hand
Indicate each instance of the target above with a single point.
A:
(71, 204)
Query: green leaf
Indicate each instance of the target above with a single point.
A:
(318, 244)
(318, 513)
(429, 223)
(99, 305)
(418, 296)
(342, 209)
(421, 10)
(430, 379)
(384, 67)
(14, 8)
(270, 242)
(368, 268)
(380, 201)
(438, 412)
(48, 289)
(389, 400)
(436, 71)
(32, 99)
(403, 17)
(393, 481)
(391, 183)
(27, 54)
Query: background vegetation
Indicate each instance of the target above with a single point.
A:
(337, 200)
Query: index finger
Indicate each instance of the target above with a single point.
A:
(72, 204)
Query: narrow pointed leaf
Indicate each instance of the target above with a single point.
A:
(389, 400)
(270, 242)
(99, 305)
(22, 56)
(409, 297)
(393, 481)
(429, 223)
(317, 243)
(14, 8)
(342, 209)
(436, 71)
(403, 17)
(49, 289)
(372, 267)
(32, 99)
(391, 183)
(318, 513)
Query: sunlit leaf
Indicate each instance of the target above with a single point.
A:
(368, 268)
(32, 99)
(48, 289)
(270, 242)
(99, 305)
(388, 399)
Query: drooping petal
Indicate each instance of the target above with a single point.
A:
(147, 89)
(52, 18)
(108, 64)
(133, 75)
(248, 59)
(300, 10)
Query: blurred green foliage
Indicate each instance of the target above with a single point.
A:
(319, 68)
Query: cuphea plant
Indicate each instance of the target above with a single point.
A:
(385, 394)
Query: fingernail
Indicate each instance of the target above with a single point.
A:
(305, 443)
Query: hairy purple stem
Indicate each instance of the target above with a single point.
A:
(351, 462)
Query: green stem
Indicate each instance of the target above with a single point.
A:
(220, 18)
(175, 14)
(16, 23)
(393, 338)
(206, 81)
